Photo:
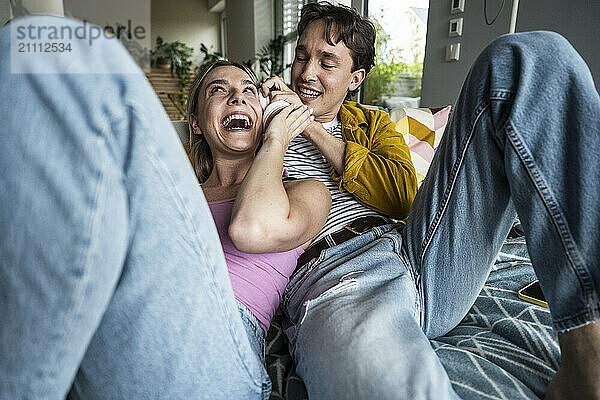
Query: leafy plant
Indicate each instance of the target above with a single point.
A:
(181, 62)
(268, 61)
(180, 56)
(209, 57)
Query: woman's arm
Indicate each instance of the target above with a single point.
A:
(268, 215)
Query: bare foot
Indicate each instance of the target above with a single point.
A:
(579, 374)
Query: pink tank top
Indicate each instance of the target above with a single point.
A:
(258, 280)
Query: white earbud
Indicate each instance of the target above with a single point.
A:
(272, 109)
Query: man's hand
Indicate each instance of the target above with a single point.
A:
(314, 129)
(276, 89)
(331, 147)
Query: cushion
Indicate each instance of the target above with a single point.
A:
(183, 131)
(422, 129)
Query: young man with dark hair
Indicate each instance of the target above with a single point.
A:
(368, 294)
(354, 150)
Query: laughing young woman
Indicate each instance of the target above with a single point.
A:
(263, 220)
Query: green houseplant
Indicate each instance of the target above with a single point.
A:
(177, 57)
(160, 57)
(174, 55)
(269, 59)
(209, 57)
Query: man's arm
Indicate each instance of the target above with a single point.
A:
(332, 148)
(372, 163)
(378, 170)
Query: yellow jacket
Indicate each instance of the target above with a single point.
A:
(377, 166)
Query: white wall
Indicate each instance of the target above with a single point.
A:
(24, 7)
(577, 20)
(264, 24)
(347, 3)
(134, 15)
(188, 21)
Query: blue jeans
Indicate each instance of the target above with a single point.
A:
(523, 138)
(255, 334)
(112, 279)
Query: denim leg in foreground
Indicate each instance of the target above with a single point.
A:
(524, 136)
(112, 280)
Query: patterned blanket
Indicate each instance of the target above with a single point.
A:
(504, 348)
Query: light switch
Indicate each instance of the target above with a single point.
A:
(458, 6)
(455, 27)
(453, 52)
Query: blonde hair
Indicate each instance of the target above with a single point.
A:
(199, 149)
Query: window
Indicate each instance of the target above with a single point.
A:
(291, 16)
(400, 48)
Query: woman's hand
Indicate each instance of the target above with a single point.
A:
(288, 123)
(267, 215)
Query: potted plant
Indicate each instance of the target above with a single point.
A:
(176, 56)
(181, 62)
(160, 56)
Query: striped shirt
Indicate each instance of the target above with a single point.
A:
(302, 160)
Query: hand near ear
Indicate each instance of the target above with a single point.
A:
(288, 123)
(276, 89)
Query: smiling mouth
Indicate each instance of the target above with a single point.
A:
(308, 94)
(236, 122)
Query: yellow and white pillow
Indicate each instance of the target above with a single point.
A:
(422, 130)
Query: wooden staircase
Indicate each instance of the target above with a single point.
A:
(167, 88)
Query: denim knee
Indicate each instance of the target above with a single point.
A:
(536, 48)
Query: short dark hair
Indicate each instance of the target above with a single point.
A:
(345, 24)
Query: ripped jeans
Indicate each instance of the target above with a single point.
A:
(523, 139)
